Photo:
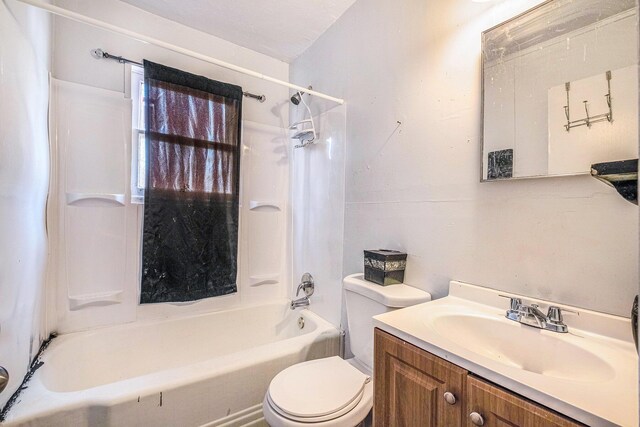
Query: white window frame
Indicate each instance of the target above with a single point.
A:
(138, 173)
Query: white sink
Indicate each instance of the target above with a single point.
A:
(589, 374)
(524, 347)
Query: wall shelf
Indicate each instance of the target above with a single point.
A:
(264, 205)
(621, 175)
(95, 299)
(79, 199)
(264, 279)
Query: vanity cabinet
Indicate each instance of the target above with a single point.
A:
(498, 407)
(410, 385)
(415, 388)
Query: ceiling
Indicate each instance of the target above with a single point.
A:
(282, 29)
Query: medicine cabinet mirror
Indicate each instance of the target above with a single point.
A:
(560, 89)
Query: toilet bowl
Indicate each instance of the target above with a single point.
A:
(333, 392)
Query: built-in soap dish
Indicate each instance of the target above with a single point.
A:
(97, 299)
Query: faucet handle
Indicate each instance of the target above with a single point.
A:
(555, 314)
(514, 304)
(306, 285)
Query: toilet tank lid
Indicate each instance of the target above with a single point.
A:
(395, 296)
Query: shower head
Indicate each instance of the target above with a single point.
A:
(297, 97)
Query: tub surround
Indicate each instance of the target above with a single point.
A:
(589, 374)
(83, 86)
(187, 371)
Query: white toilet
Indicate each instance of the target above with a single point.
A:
(334, 392)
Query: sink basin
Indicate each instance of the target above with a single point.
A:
(523, 347)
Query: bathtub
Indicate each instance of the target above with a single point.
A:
(206, 370)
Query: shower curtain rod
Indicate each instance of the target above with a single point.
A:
(56, 10)
(100, 54)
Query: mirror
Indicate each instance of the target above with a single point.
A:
(560, 89)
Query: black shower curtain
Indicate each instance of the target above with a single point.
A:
(191, 200)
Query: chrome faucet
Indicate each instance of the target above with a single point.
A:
(300, 302)
(306, 285)
(532, 316)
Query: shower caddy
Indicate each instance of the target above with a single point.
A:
(304, 130)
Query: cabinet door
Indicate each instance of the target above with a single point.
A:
(410, 385)
(499, 408)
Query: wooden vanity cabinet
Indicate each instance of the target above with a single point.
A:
(499, 407)
(409, 386)
(415, 388)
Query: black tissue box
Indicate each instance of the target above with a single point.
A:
(384, 267)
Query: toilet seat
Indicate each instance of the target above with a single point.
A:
(323, 391)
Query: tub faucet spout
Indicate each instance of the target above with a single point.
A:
(300, 302)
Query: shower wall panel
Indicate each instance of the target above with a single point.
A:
(264, 211)
(96, 228)
(93, 253)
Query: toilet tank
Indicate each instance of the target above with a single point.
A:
(363, 301)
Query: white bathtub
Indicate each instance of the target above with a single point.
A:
(210, 369)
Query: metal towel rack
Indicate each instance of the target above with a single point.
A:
(588, 120)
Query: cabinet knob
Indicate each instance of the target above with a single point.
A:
(450, 398)
(476, 419)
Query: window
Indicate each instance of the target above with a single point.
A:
(138, 156)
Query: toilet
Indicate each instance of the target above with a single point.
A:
(333, 392)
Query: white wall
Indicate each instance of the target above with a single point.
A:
(265, 154)
(24, 157)
(415, 186)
